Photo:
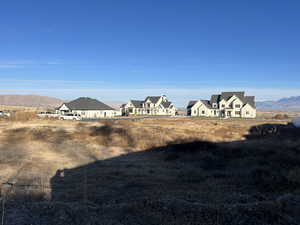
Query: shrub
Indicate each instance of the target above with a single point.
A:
(281, 117)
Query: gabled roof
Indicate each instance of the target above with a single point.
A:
(206, 103)
(137, 103)
(153, 99)
(250, 100)
(87, 104)
(215, 99)
(166, 104)
(191, 104)
(227, 95)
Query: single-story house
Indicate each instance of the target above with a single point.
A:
(87, 108)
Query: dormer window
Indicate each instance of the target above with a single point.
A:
(237, 106)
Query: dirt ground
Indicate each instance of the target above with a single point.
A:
(152, 171)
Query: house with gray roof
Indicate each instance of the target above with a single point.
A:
(152, 106)
(87, 108)
(224, 105)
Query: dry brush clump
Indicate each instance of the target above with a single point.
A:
(281, 117)
(23, 116)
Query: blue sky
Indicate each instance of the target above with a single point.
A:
(119, 49)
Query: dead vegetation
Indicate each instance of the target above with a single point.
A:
(164, 171)
(281, 117)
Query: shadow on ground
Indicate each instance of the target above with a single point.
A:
(255, 181)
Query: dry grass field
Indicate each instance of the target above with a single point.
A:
(151, 171)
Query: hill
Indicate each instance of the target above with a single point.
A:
(284, 104)
(29, 101)
(41, 101)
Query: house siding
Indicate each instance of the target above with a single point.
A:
(95, 114)
(88, 114)
(248, 112)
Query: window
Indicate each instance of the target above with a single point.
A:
(149, 105)
(130, 110)
(237, 106)
(228, 113)
(195, 112)
(223, 105)
(215, 112)
(247, 113)
(203, 112)
(237, 113)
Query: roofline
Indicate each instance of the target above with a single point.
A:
(249, 105)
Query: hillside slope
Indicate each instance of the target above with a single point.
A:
(284, 104)
(41, 101)
(29, 101)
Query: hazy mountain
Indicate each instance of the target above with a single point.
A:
(114, 104)
(29, 101)
(42, 101)
(284, 104)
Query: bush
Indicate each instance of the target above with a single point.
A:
(281, 117)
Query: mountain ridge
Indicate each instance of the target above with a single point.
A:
(30, 101)
(42, 101)
(283, 104)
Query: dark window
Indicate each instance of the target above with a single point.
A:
(237, 113)
(223, 105)
(130, 110)
(247, 113)
(237, 106)
(203, 112)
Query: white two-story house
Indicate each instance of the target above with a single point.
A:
(152, 105)
(225, 105)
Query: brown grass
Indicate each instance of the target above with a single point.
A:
(23, 116)
(66, 144)
(147, 164)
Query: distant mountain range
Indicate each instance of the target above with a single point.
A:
(40, 101)
(29, 101)
(284, 104)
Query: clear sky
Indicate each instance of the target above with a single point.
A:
(119, 49)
